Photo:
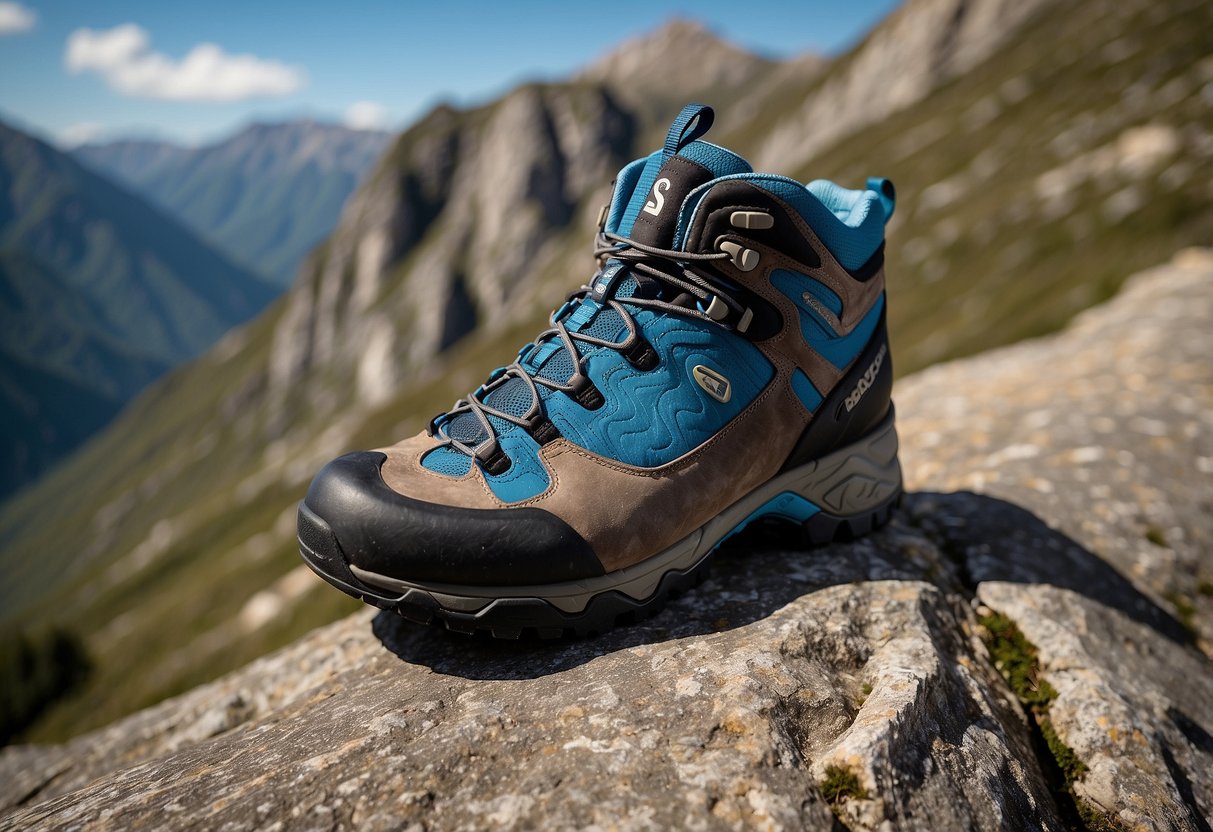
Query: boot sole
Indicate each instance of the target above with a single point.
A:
(841, 496)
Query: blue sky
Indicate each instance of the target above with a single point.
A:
(68, 71)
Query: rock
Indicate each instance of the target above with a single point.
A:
(858, 671)
(925, 44)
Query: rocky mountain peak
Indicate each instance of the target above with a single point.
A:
(445, 233)
(681, 58)
(920, 46)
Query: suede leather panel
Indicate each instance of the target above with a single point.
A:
(628, 514)
(404, 474)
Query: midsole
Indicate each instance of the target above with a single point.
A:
(851, 481)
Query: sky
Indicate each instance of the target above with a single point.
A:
(76, 71)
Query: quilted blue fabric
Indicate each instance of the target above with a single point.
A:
(652, 417)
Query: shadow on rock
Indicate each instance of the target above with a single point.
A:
(953, 540)
(996, 540)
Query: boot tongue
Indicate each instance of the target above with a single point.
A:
(673, 172)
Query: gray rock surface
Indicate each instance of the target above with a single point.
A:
(1063, 483)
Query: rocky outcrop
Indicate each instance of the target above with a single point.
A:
(1025, 646)
(459, 218)
(690, 61)
(924, 44)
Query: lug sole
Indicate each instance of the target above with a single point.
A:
(839, 497)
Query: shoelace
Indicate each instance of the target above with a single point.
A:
(711, 303)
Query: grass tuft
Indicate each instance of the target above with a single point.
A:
(841, 783)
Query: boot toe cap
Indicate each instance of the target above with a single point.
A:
(386, 533)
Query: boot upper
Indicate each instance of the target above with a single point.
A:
(666, 389)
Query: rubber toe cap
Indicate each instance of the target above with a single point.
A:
(384, 532)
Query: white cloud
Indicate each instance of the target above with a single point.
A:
(366, 115)
(124, 58)
(78, 134)
(15, 19)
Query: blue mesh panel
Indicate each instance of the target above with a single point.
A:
(607, 325)
(465, 428)
(447, 461)
(558, 367)
(513, 397)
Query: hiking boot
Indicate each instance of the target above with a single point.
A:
(727, 362)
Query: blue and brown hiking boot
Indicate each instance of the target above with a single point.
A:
(728, 362)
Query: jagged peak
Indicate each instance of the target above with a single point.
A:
(683, 53)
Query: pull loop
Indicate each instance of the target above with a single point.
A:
(693, 121)
(887, 193)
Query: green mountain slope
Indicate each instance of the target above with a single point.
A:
(265, 196)
(1031, 184)
(99, 294)
(156, 285)
(62, 374)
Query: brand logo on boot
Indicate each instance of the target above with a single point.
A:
(868, 378)
(654, 205)
(716, 385)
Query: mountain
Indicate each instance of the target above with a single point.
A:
(1047, 155)
(99, 294)
(265, 196)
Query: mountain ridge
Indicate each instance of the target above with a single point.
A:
(266, 195)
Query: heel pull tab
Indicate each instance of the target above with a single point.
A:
(693, 121)
(887, 193)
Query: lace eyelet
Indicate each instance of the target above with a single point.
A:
(642, 356)
(497, 464)
(587, 395)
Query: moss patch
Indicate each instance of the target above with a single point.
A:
(864, 692)
(1072, 768)
(1094, 820)
(839, 784)
(1017, 659)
